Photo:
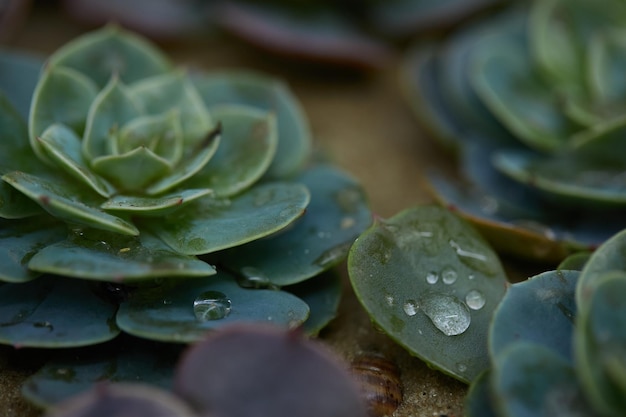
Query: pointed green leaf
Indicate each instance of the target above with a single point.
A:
(19, 73)
(67, 201)
(606, 61)
(62, 96)
(185, 311)
(111, 51)
(63, 146)
(211, 224)
(113, 107)
(124, 359)
(531, 380)
(20, 240)
(337, 215)
(269, 94)
(247, 147)
(154, 206)
(105, 256)
(54, 312)
(132, 171)
(425, 274)
(600, 342)
(174, 91)
(194, 159)
(162, 134)
(539, 310)
(509, 85)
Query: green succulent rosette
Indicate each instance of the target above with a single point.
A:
(532, 101)
(128, 183)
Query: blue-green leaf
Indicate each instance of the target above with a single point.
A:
(101, 255)
(185, 311)
(336, 216)
(209, 225)
(154, 206)
(19, 73)
(54, 312)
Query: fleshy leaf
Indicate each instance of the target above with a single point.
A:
(101, 255)
(184, 311)
(232, 170)
(68, 202)
(425, 274)
(479, 401)
(124, 359)
(124, 399)
(20, 240)
(532, 380)
(154, 206)
(336, 216)
(606, 63)
(132, 171)
(63, 146)
(213, 224)
(19, 73)
(111, 109)
(54, 312)
(600, 341)
(269, 94)
(309, 382)
(174, 91)
(539, 310)
(111, 51)
(61, 96)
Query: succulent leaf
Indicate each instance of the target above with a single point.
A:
(426, 274)
(264, 93)
(19, 73)
(154, 206)
(184, 311)
(209, 225)
(55, 312)
(102, 255)
(111, 50)
(479, 400)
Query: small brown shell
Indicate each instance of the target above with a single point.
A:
(379, 381)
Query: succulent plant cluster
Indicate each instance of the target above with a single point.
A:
(532, 101)
(342, 32)
(161, 202)
(557, 342)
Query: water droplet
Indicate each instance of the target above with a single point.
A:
(44, 325)
(211, 305)
(333, 255)
(167, 302)
(347, 222)
(252, 277)
(461, 367)
(448, 313)
(448, 275)
(432, 277)
(475, 300)
(471, 277)
(473, 254)
(390, 300)
(410, 307)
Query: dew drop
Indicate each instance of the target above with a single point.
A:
(252, 277)
(211, 305)
(410, 307)
(448, 275)
(390, 300)
(475, 300)
(448, 313)
(347, 222)
(332, 255)
(461, 367)
(432, 278)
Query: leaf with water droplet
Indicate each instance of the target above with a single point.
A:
(540, 309)
(184, 311)
(105, 256)
(54, 312)
(444, 279)
(337, 214)
(124, 359)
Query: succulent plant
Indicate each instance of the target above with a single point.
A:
(283, 375)
(557, 343)
(159, 202)
(345, 32)
(431, 282)
(532, 103)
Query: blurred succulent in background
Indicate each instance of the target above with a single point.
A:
(342, 32)
(283, 375)
(532, 101)
(557, 343)
(133, 181)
